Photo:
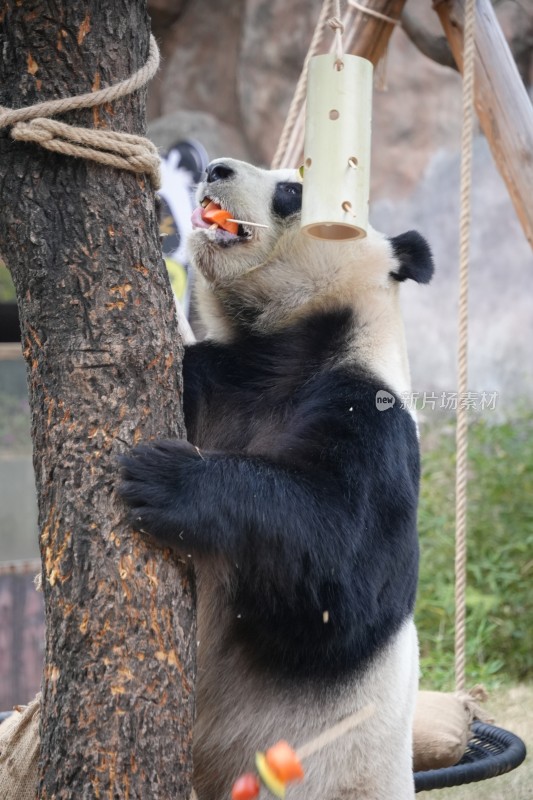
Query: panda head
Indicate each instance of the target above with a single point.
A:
(269, 274)
(271, 199)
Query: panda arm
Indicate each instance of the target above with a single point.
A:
(309, 500)
(219, 502)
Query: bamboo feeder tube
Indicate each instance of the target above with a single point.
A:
(338, 125)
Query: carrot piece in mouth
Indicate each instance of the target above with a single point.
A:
(218, 216)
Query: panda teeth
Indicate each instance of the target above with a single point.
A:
(209, 199)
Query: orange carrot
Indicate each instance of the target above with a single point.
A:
(220, 217)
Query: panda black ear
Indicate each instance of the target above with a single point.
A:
(414, 258)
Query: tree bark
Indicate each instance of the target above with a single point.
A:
(103, 355)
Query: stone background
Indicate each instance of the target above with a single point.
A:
(228, 75)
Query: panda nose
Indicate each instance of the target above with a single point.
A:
(218, 171)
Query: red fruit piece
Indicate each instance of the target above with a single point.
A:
(246, 787)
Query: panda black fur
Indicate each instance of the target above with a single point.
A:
(296, 495)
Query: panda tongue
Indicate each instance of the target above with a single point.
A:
(198, 220)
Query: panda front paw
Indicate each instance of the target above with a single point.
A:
(156, 483)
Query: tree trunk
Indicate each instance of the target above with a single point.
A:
(103, 354)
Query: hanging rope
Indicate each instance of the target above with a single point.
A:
(291, 141)
(373, 13)
(462, 355)
(112, 148)
(336, 25)
(290, 145)
(301, 88)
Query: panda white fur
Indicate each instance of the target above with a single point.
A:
(296, 495)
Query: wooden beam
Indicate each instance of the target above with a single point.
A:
(370, 35)
(502, 103)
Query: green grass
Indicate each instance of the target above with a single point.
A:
(500, 553)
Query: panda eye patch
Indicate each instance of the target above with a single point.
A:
(287, 199)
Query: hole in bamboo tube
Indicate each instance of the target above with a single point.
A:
(308, 162)
(334, 114)
(347, 206)
(337, 231)
(353, 162)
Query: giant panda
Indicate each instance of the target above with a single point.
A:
(296, 492)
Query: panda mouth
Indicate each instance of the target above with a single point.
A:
(211, 216)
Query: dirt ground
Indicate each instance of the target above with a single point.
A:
(512, 708)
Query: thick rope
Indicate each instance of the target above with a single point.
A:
(373, 13)
(301, 88)
(462, 355)
(112, 148)
(336, 25)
